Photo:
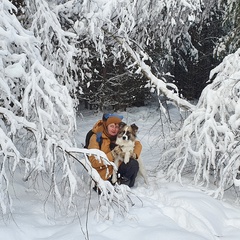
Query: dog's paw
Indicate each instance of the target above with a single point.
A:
(117, 152)
(133, 155)
(126, 160)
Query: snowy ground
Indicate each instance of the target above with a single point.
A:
(162, 210)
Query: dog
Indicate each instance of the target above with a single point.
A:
(125, 141)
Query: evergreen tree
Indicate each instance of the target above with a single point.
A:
(192, 73)
(230, 41)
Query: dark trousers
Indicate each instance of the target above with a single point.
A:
(129, 171)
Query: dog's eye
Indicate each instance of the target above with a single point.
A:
(120, 133)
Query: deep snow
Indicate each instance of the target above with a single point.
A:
(163, 210)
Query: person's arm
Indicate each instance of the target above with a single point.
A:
(105, 147)
(137, 149)
(93, 144)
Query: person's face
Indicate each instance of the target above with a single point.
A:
(113, 129)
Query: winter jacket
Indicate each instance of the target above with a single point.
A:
(105, 171)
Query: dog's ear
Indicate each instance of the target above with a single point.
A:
(134, 127)
(122, 124)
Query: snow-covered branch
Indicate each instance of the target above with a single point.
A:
(36, 111)
(57, 46)
(208, 142)
(111, 196)
(167, 89)
(143, 22)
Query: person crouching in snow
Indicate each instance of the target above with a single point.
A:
(108, 129)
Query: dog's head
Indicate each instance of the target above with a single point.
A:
(127, 132)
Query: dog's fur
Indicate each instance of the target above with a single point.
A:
(125, 149)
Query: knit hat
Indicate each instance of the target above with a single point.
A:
(109, 118)
(115, 120)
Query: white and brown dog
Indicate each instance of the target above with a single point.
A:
(125, 141)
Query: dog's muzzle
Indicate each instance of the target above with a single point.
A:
(124, 137)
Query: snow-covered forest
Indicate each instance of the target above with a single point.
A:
(107, 55)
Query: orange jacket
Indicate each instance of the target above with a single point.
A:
(105, 171)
